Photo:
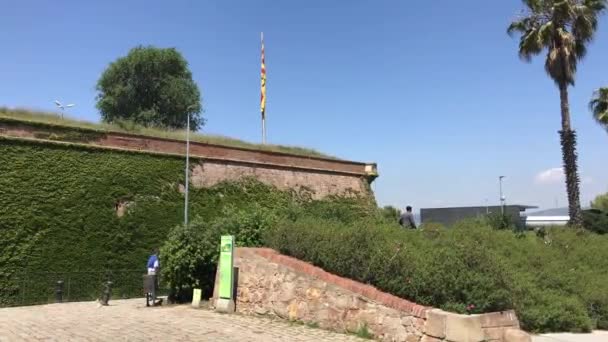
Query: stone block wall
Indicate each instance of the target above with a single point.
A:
(272, 284)
(446, 326)
(206, 173)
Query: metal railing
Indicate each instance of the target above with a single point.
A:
(51, 287)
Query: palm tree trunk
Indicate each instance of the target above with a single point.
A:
(568, 141)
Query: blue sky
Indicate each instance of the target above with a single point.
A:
(433, 91)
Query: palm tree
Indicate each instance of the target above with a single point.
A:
(563, 28)
(599, 107)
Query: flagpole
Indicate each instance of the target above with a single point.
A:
(264, 131)
(263, 114)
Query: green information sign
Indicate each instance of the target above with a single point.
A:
(226, 266)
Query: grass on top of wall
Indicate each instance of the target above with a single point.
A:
(54, 119)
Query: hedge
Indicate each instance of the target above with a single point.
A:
(596, 221)
(554, 284)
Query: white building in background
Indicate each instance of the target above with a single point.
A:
(549, 217)
(542, 221)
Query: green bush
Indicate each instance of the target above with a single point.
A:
(246, 224)
(596, 221)
(500, 221)
(554, 284)
(600, 202)
(187, 259)
(432, 226)
(189, 256)
(406, 263)
(390, 213)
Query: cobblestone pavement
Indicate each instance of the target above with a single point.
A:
(130, 320)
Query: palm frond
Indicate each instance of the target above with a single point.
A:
(546, 33)
(534, 5)
(563, 27)
(584, 23)
(530, 44)
(561, 62)
(563, 9)
(580, 49)
(599, 106)
(596, 5)
(521, 25)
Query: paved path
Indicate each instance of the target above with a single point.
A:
(596, 336)
(130, 320)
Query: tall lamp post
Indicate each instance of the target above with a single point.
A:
(502, 197)
(187, 169)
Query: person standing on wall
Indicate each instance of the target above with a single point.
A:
(407, 219)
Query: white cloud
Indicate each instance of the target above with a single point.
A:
(550, 176)
(556, 175)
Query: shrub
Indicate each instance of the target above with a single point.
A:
(600, 202)
(500, 221)
(247, 224)
(189, 256)
(187, 259)
(390, 213)
(343, 209)
(555, 283)
(596, 221)
(430, 225)
(403, 262)
(544, 310)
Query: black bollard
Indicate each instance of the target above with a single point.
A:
(59, 292)
(107, 293)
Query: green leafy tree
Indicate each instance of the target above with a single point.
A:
(190, 254)
(596, 220)
(600, 203)
(599, 107)
(151, 87)
(562, 28)
(189, 259)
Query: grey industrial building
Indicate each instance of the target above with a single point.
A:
(449, 216)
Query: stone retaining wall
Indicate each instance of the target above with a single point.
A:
(272, 284)
(446, 326)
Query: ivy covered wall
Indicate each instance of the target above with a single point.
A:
(58, 208)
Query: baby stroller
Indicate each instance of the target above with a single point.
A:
(150, 289)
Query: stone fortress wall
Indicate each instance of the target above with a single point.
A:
(213, 163)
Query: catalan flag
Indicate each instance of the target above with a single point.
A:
(263, 83)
